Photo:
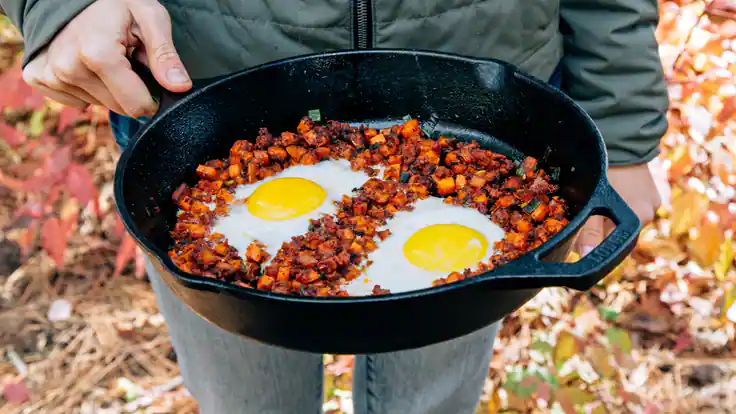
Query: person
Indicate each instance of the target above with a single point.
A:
(602, 53)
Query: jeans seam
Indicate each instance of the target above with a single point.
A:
(370, 379)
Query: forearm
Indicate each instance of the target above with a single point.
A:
(612, 69)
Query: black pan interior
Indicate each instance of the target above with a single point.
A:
(487, 101)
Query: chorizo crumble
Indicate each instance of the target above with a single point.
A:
(517, 196)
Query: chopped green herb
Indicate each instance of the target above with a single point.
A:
(315, 115)
(404, 177)
(572, 169)
(229, 182)
(407, 118)
(520, 172)
(529, 208)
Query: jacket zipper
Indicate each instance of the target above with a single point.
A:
(362, 24)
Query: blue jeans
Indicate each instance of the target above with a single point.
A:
(227, 374)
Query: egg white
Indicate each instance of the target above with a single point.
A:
(392, 271)
(242, 228)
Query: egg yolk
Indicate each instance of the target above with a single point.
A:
(285, 198)
(445, 248)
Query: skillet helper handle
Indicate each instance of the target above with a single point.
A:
(529, 272)
(163, 97)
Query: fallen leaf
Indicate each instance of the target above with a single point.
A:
(667, 249)
(125, 254)
(494, 404)
(140, 263)
(11, 136)
(569, 397)
(687, 210)
(683, 342)
(119, 226)
(597, 408)
(60, 310)
(608, 314)
(82, 187)
(566, 347)
(68, 116)
(35, 124)
(15, 393)
(705, 247)
(600, 359)
(725, 260)
(16, 93)
(53, 240)
(619, 339)
(543, 347)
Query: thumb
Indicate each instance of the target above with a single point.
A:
(154, 25)
(590, 235)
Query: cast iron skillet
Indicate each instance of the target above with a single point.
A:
(486, 100)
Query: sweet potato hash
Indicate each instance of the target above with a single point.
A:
(404, 165)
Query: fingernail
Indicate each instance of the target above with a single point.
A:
(177, 75)
(586, 250)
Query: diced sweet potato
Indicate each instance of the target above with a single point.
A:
(206, 172)
(446, 186)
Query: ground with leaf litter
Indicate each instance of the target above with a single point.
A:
(80, 332)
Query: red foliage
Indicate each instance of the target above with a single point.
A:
(81, 186)
(15, 92)
(11, 135)
(53, 240)
(126, 253)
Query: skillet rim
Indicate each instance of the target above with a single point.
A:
(215, 285)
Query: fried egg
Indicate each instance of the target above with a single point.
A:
(280, 207)
(428, 243)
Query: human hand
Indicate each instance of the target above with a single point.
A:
(637, 187)
(87, 62)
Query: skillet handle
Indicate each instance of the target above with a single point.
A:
(164, 98)
(530, 272)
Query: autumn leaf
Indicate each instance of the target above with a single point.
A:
(569, 397)
(543, 347)
(59, 161)
(140, 263)
(494, 404)
(68, 116)
(705, 246)
(566, 347)
(11, 135)
(619, 339)
(15, 392)
(598, 408)
(15, 92)
(82, 187)
(608, 314)
(600, 359)
(126, 253)
(35, 124)
(725, 259)
(687, 210)
(683, 342)
(53, 240)
(119, 230)
(727, 311)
